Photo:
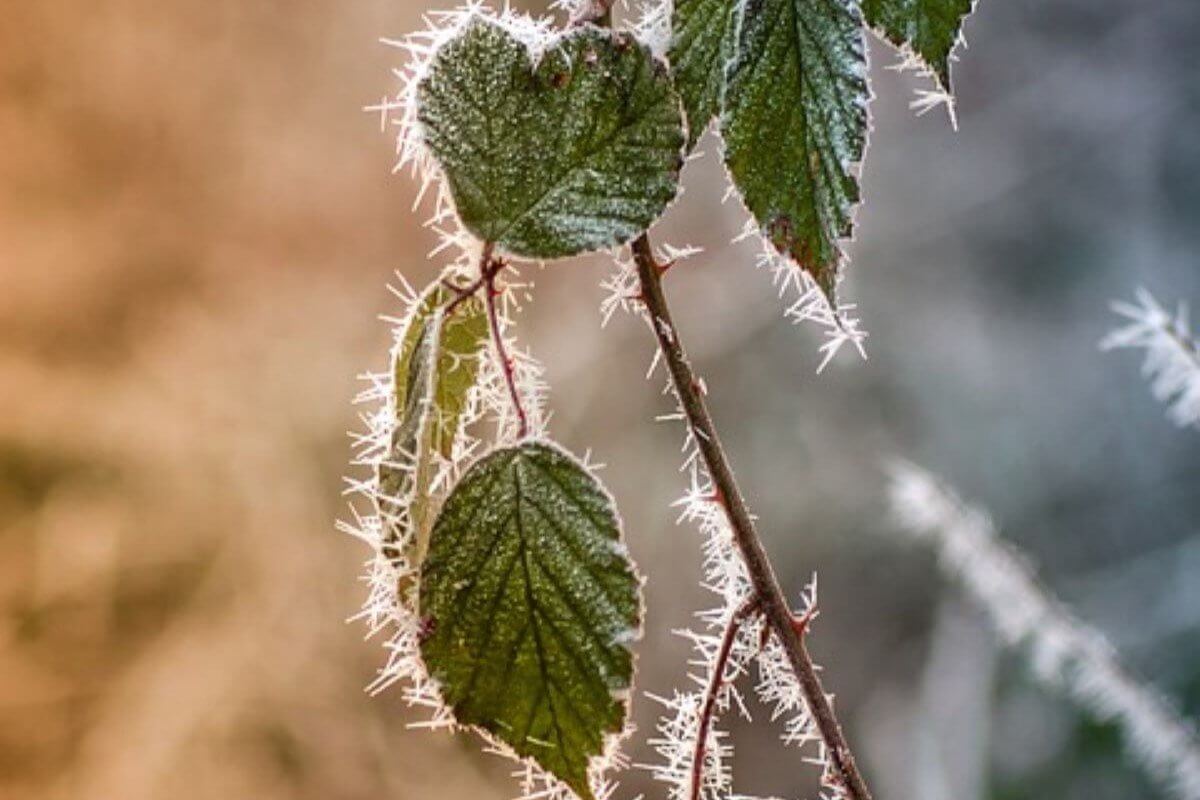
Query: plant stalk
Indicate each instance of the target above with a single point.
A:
(489, 268)
(772, 602)
(711, 695)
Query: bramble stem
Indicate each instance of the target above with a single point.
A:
(489, 268)
(715, 681)
(770, 597)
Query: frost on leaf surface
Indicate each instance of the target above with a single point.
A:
(580, 151)
(794, 125)
(530, 600)
(434, 366)
(702, 43)
(928, 28)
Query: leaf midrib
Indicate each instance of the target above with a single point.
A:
(537, 635)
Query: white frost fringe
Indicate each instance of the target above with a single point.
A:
(925, 100)
(1172, 362)
(488, 404)
(807, 301)
(1065, 653)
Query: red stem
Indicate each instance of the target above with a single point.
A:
(774, 606)
(489, 268)
(715, 681)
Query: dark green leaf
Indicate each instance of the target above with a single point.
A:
(929, 28)
(530, 599)
(795, 125)
(579, 152)
(702, 43)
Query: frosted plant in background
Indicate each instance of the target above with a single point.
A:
(1064, 653)
(1172, 354)
(499, 568)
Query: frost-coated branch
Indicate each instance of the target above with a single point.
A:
(1065, 653)
(774, 605)
(716, 681)
(1172, 362)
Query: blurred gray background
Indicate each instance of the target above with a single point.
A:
(196, 227)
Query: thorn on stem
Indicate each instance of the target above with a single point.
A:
(800, 623)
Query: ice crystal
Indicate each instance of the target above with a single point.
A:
(925, 100)
(1065, 653)
(622, 290)
(652, 25)
(1172, 361)
(536, 784)
(807, 302)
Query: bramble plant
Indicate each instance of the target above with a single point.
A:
(500, 571)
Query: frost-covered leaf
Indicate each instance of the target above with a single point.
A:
(434, 367)
(530, 599)
(929, 28)
(795, 125)
(579, 152)
(462, 335)
(406, 462)
(702, 42)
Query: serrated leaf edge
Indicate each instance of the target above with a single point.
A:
(612, 740)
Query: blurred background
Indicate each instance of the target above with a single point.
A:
(197, 223)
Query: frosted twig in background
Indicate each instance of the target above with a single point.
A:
(1065, 653)
(1172, 362)
(953, 717)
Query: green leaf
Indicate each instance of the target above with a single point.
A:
(795, 125)
(704, 35)
(407, 463)
(434, 367)
(579, 152)
(462, 336)
(930, 28)
(531, 598)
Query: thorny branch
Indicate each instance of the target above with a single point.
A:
(716, 680)
(845, 776)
